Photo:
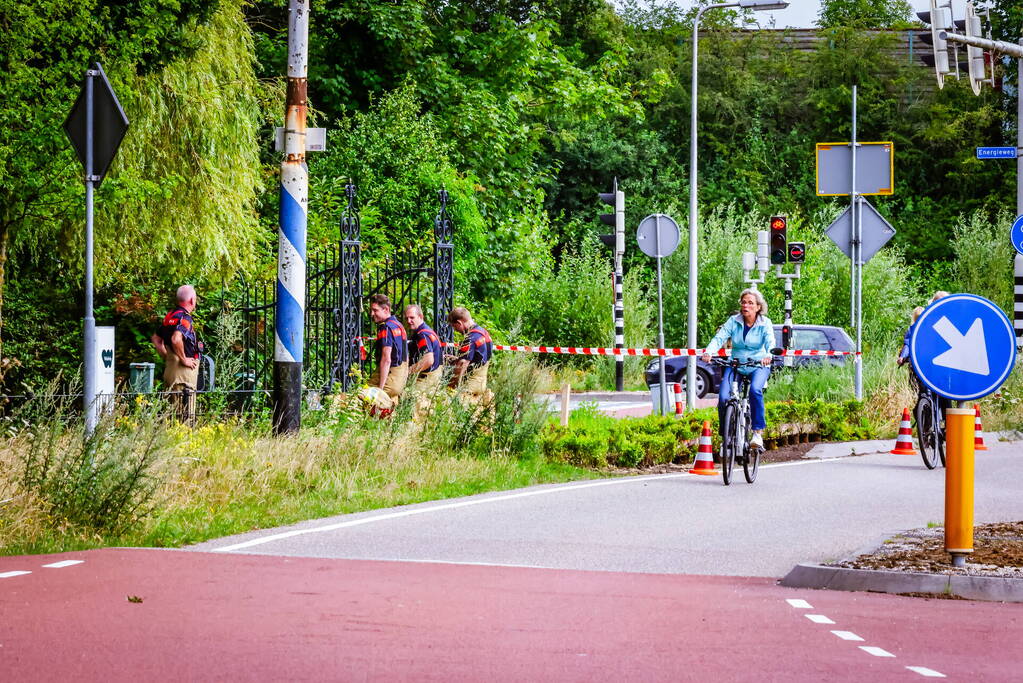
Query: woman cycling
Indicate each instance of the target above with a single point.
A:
(752, 337)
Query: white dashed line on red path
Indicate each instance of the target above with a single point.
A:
(52, 565)
(849, 635)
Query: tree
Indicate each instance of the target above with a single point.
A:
(865, 13)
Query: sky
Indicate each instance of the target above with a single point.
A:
(803, 13)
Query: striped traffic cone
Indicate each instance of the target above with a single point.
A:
(904, 444)
(705, 454)
(978, 431)
(678, 400)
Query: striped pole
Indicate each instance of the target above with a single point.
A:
(788, 318)
(619, 299)
(1017, 299)
(291, 253)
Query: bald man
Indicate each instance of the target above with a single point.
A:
(177, 343)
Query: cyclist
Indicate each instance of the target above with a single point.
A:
(752, 336)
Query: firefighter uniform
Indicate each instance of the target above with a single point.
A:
(391, 334)
(477, 349)
(179, 378)
(425, 340)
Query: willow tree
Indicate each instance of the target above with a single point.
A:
(179, 199)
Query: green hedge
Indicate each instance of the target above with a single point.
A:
(595, 440)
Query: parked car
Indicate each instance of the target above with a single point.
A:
(708, 375)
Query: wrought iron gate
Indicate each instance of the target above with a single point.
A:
(336, 314)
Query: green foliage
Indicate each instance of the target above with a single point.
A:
(840, 421)
(985, 262)
(595, 440)
(864, 13)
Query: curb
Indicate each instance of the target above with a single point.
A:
(992, 588)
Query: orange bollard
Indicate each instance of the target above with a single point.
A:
(959, 484)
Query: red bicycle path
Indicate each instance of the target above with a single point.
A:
(205, 616)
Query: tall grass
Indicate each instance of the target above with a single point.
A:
(154, 482)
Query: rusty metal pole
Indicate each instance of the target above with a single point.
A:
(291, 254)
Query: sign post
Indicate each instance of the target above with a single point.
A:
(95, 126)
(962, 348)
(658, 236)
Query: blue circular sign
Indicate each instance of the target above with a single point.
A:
(1016, 234)
(962, 347)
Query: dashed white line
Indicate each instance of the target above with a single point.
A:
(8, 575)
(847, 635)
(62, 564)
(924, 671)
(799, 604)
(876, 651)
(818, 619)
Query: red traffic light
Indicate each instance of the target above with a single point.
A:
(778, 223)
(797, 252)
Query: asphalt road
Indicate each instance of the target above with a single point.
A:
(814, 510)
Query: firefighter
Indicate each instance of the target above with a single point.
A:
(177, 344)
(470, 368)
(426, 354)
(391, 354)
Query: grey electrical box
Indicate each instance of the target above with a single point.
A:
(140, 377)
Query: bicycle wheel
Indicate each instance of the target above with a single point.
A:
(926, 432)
(751, 461)
(728, 444)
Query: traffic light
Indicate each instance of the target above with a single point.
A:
(786, 336)
(797, 252)
(616, 220)
(940, 19)
(779, 227)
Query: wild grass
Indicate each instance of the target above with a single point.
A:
(231, 476)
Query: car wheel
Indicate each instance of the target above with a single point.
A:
(702, 382)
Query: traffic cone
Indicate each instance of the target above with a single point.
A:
(978, 431)
(678, 400)
(705, 454)
(904, 444)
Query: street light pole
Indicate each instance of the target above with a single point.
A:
(691, 341)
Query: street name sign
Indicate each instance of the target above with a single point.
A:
(876, 231)
(1016, 234)
(962, 347)
(996, 152)
(658, 230)
(875, 168)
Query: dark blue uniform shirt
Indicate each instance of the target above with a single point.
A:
(426, 341)
(477, 348)
(391, 333)
(179, 320)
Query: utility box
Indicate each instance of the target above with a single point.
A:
(140, 377)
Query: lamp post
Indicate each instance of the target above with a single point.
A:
(693, 227)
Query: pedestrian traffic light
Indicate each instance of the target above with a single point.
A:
(797, 252)
(615, 198)
(940, 19)
(786, 336)
(779, 227)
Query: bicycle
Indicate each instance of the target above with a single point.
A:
(737, 427)
(929, 413)
(930, 427)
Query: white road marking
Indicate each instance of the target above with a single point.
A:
(924, 671)
(847, 635)
(63, 563)
(799, 604)
(8, 575)
(876, 651)
(477, 501)
(818, 619)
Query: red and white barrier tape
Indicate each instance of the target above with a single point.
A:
(598, 351)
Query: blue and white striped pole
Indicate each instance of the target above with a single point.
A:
(289, 320)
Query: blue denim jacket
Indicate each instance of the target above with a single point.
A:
(757, 345)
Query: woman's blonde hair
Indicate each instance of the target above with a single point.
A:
(940, 294)
(758, 297)
(916, 313)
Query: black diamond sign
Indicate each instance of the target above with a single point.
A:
(109, 124)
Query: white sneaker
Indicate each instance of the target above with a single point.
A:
(757, 441)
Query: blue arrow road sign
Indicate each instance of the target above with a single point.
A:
(1016, 234)
(996, 152)
(962, 347)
